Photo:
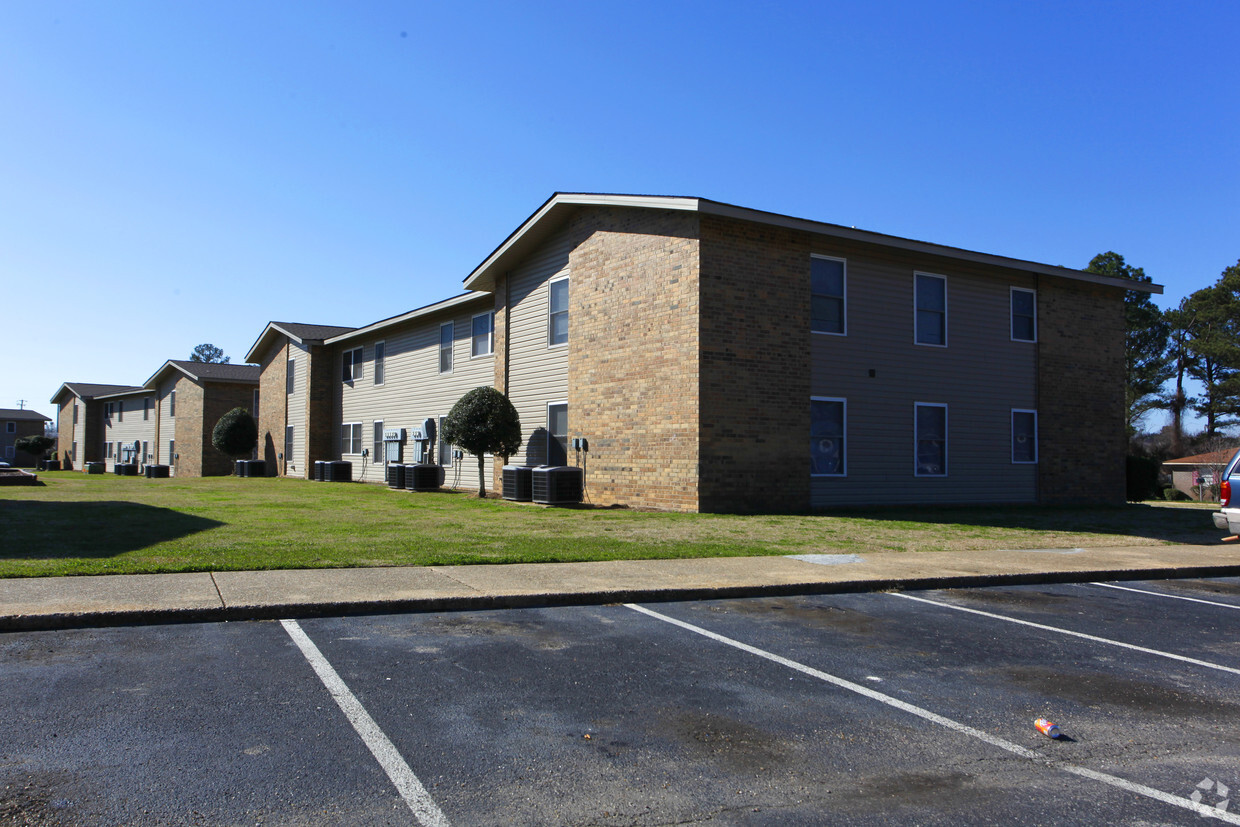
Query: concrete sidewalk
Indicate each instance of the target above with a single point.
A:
(72, 602)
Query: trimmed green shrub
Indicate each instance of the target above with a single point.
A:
(1174, 495)
(37, 446)
(482, 422)
(236, 434)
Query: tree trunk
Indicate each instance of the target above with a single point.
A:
(482, 480)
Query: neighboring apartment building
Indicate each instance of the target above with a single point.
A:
(79, 421)
(166, 421)
(15, 424)
(725, 359)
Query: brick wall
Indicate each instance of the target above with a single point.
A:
(190, 429)
(633, 366)
(64, 427)
(323, 383)
(272, 406)
(217, 399)
(755, 367)
(1081, 393)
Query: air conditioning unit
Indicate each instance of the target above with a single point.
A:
(517, 483)
(320, 471)
(396, 476)
(557, 484)
(243, 468)
(156, 471)
(338, 471)
(423, 477)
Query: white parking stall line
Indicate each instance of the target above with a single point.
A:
(956, 726)
(407, 784)
(1169, 596)
(1093, 638)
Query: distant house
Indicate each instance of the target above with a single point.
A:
(1198, 476)
(14, 425)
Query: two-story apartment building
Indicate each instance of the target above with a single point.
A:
(15, 424)
(719, 358)
(79, 421)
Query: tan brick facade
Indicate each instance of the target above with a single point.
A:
(273, 406)
(1081, 393)
(321, 416)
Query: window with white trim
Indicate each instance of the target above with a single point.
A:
(445, 449)
(930, 316)
(380, 361)
(557, 313)
(290, 377)
(931, 439)
(290, 433)
(172, 452)
(172, 404)
(10, 427)
(352, 364)
(827, 428)
(376, 448)
(351, 438)
(446, 335)
(557, 433)
(828, 309)
(120, 410)
(1024, 437)
(1024, 315)
(73, 452)
(483, 334)
(109, 453)
(146, 408)
(75, 413)
(254, 404)
(109, 410)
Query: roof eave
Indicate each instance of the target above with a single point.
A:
(421, 312)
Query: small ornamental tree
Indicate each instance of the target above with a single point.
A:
(236, 434)
(482, 422)
(37, 446)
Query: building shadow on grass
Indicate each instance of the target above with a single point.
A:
(54, 530)
(1157, 522)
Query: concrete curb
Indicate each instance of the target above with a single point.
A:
(312, 609)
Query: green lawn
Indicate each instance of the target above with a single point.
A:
(80, 524)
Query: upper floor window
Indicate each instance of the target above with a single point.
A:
(827, 425)
(931, 440)
(352, 361)
(828, 305)
(172, 404)
(75, 413)
(1024, 436)
(10, 427)
(1024, 315)
(146, 408)
(930, 321)
(483, 329)
(380, 361)
(120, 410)
(446, 335)
(109, 410)
(557, 313)
(254, 404)
(290, 377)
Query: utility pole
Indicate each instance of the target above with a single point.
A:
(21, 404)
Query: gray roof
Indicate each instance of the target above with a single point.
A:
(311, 331)
(87, 390)
(22, 414)
(219, 372)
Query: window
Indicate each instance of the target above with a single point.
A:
(254, 405)
(827, 426)
(73, 452)
(1024, 315)
(445, 450)
(172, 452)
(172, 404)
(9, 451)
(120, 451)
(351, 438)
(75, 413)
(557, 314)
(557, 433)
(11, 427)
(352, 364)
(289, 432)
(930, 320)
(146, 408)
(380, 355)
(376, 450)
(827, 277)
(1024, 436)
(120, 411)
(109, 410)
(290, 377)
(483, 329)
(146, 452)
(931, 426)
(109, 453)
(445, 347)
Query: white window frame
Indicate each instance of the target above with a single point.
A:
(354, 439)
(146, 408)
(443, 448)
(916, 327)
(917, 439)
(551, 436)
(10, 427)
(380, 348)
(290, 444)
(73, 451)
(844, 452)
(120, 410)
(290, 377)
(376, 441)
(550, 315)
(490, 337)
(1012, 420)
(254, 404)
(109, 410)
(353, 361)
(172, 452)
(1012, 313)
(843, 297)
(75, 413)
(108, 455)
(172, 404)
(451, 326)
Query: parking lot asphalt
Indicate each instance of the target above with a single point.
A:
(912, 707)
(73, 602)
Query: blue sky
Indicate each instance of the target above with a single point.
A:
(176, 173)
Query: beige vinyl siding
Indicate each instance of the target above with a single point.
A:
(413, 389)
(134, 427)
(980, 376)
(296, 410)
(79, 434)
(167, 422)
(537, 374)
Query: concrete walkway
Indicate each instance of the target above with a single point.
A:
(72, 602)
